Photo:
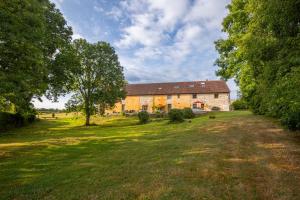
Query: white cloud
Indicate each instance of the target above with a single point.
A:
(167, 39)
(151, 20)
(169, 12)
(207, 12)
(115, 13)
(154, 21)
(98, 8)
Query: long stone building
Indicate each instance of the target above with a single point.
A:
(164, 96)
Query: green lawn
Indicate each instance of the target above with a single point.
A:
(235, 156)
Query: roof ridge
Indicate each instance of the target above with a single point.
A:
(175, 82)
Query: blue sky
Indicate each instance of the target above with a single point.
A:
(156, 40)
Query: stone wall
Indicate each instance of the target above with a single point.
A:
(177, 101)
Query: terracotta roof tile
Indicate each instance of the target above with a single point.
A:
(197, 87)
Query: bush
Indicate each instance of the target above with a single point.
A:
(211, 117)
(15, 120)
(176, 115)
(215, 108)
(9, 120)
(188, 113)
(291, 120)
(239, 105)
(30, 118)
(143, 117)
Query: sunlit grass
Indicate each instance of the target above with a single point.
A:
(234, 156)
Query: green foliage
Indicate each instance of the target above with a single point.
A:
(15, 120)
(143, 117)
(74, 104)
(176, 115)
(188, 113)
(262, 54)
(239, 104)
(6, 106)
(32, 33)
(96, 77)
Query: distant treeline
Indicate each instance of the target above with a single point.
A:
(50, 110)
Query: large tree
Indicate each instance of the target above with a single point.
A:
(32, 34)
(262, 53)
(96, 77)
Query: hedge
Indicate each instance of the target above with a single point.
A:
(15, 120)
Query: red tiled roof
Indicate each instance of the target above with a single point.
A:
(193, 87)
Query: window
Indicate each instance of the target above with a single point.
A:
(216, 96)
(202, 106)
(169, 97)
(194, 96)
(178, 96)
(194, 105)
(144, 107)
(169, 107)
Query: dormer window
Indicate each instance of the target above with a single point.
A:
(176, 86)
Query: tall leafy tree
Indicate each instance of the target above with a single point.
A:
(32, 33)
(96, 77)
(262, 54)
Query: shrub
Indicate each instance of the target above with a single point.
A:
(291, 120)
(211, 117)
(143, 117)
(215, 108)
(176, 115)
(188, 113)
(18, 120)
(239, 105)
(15, 120)
(30, 118)
(8, 120)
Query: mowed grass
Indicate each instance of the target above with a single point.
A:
(235, 156)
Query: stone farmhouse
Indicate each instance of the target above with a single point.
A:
(204, 95)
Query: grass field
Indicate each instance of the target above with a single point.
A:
(235, 156)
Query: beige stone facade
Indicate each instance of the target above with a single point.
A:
(164, 96)
(152, 103)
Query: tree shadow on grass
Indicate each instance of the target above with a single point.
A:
(222, 161)
(36, 127)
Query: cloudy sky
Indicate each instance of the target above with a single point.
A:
(156, 40)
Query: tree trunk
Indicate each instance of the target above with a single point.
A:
(87, 113)
(87, 119)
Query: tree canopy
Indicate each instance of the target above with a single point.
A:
(32, 34)
(262, 53)
(96, 77)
